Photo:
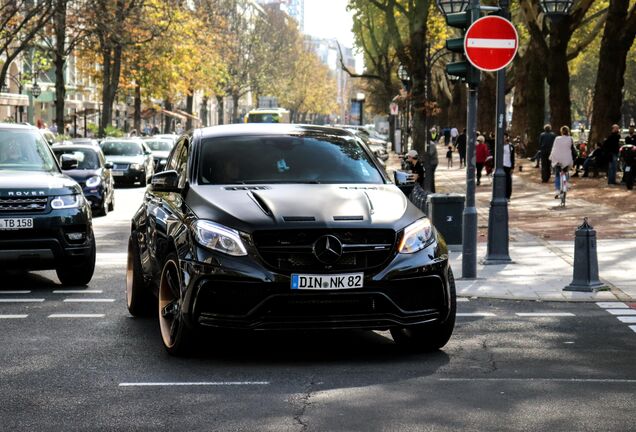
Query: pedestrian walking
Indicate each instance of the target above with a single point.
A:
(449, 157)
(432, 154)
(546, 140)
(454, 135)
(481, 154)
(461, 148)
(508, 163)
(561, 156)
(611, 146)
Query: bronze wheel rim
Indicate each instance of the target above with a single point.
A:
(169, 304)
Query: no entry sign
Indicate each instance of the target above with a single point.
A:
(491, 43)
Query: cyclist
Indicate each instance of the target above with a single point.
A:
(561, 157)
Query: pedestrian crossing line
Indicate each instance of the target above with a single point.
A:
(612, 305)
(545, 314)
(16, 292)
(633, 327)
(76, 316)
(195, 383)
(462, 299)
(13, 316)
(622, 311)
(476, 314)
(88, 300)
(21, 300)
(627, 319)
(78, 291)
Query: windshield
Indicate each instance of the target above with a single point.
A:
(160, 145)
(25, 150)
(264, 118)
(121, 148)
(285, 159)
(86, 159)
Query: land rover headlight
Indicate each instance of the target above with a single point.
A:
(67, 201)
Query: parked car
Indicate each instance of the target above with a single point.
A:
(160, 148)
(283, 226)
(45, 221)
(85, 141)
(172, 137)
(93, 175)
(131, 158)
(378, 147)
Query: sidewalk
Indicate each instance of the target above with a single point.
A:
(541, 241)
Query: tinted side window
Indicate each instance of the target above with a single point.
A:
(174, 155)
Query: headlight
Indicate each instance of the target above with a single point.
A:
(67, 201)
(135, 166)
(219, 238)
(416, 236)
(93, 181)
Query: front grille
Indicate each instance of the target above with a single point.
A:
(291, 251)
(23, 205)
(120, 167)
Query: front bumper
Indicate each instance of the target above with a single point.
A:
(47, 245)
(129, 176)
(230, 294)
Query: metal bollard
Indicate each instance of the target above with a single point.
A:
(585, 261)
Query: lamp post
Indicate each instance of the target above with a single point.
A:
(556, 8)
(405, 78)
(17, 79)
(469, 229)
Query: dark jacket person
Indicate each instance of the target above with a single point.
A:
(546, 139)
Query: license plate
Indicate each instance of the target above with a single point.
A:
(16, 223)
(118, 173)
(323, 281)
(628, 169)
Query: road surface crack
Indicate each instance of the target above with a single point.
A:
(303, 403)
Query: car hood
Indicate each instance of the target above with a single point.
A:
(160, 154)
(249, 208)
(126, 159)
(36, 183)
(81, 175)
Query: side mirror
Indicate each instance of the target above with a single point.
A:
(68, 162)
(166, 181)
(108, 165)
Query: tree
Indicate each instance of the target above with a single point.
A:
(20, 22)
(618, 37)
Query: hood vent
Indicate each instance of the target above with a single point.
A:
(348, 218)
(260, 202)
(246, 188)
(299, 218)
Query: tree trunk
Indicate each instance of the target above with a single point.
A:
(60, 60)
(203, 111)
(235, 108)
(220, 109)
(618, 37)
(137, 114)
(558, 74)
(189, 106)
(487, 112)
(529, 100)
(167, 127)
(110, 74)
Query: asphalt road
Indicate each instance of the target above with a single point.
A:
(79, 361)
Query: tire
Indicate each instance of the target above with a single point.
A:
(103, 211)
(78, 274)
(629, 180)
(429, 337)
(177, 338)
(139, 299)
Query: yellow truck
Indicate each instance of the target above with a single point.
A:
(267, 115)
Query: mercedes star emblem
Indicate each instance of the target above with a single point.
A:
(328, 249)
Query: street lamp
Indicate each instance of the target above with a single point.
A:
(36, 90)
(554, 8)
(403, 74)
(405, 78)
(451, 6)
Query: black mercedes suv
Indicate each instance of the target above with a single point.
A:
(45, 221)
(270, 227)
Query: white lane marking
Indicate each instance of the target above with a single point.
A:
(16, 292)
(627, 319)
(491, 43)
(462, 299)
(12, 316)
(633, 327)
(545, 314)
(558, 380)
(622, 311)
(88, 300)
(77, 291)
(18, 300)
(76, 316)
(196, 383)
(476, 314)
(612, 305)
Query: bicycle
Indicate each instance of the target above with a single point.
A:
(563, 184)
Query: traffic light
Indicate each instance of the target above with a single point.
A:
(461, 69)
